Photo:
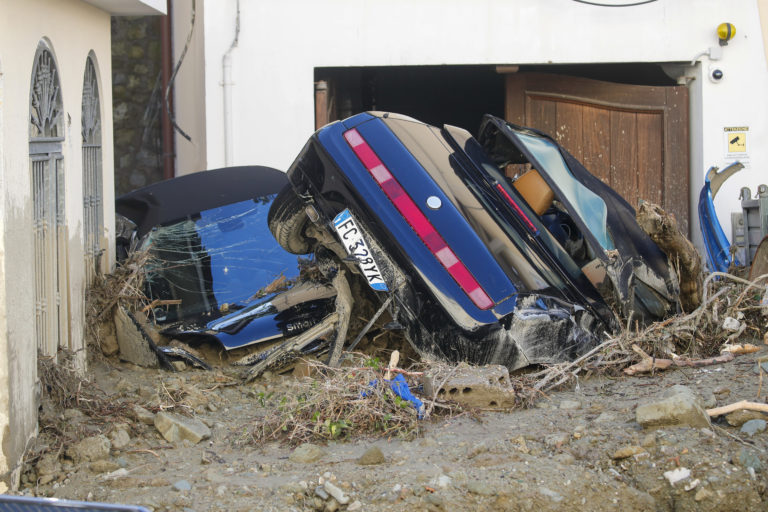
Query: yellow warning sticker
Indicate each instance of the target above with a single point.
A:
(736, 140)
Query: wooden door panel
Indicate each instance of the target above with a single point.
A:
(569, 129)
(624, 155)
(596, 149)
(649, 158)
(635, 138)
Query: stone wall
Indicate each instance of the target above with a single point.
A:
(137, 102)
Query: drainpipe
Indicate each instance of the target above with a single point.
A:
(226, 83)
(166, 65)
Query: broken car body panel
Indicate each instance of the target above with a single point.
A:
(477, 275)
(715, 241)
(210, 249)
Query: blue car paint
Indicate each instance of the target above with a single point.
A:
(451, 224)
(331, 137)
(715, 241)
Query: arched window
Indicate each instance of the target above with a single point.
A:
(46, 134)
(92, 181)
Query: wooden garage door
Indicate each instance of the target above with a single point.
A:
(635, 138)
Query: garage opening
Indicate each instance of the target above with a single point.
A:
(456, 95)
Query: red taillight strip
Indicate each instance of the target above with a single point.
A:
(519, 211)
(417, 220)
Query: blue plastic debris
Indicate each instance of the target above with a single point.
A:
(715, 241)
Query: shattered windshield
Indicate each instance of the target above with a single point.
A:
(588, 205)
(218, 260)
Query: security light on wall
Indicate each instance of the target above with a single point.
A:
(725, 32)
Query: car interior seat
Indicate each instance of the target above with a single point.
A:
(532, 187)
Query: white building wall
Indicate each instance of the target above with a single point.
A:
(73, 29)
(281, 43)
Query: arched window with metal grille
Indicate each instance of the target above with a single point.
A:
(46, 136)
(92, 171)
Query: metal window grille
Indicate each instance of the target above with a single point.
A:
(92, 173)
(49, 227)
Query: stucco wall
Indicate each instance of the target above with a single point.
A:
(282, 42)
(73, 29)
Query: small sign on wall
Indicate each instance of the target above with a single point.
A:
(735, 139)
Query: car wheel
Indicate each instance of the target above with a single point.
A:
(287, 221)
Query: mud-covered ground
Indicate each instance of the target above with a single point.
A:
(579, 449)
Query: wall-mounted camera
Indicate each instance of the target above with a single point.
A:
(716, 74)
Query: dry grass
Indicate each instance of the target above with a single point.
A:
(124, 286)
(337, 403)
(699, 334)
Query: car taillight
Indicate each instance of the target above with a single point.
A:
(417, 220)
(516, 207)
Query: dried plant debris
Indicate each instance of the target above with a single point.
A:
(729, 313)
(338, 403)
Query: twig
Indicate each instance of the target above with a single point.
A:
(742, 405)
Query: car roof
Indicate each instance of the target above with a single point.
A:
(177, 198)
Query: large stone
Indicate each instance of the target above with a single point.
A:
(133, 340)
(371, 456)
(175, 428)
(306, 453)
(487, 386)
(740, 417)
(90, 449)
(753, 427)
(678, 409)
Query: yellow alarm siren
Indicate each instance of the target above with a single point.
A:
(725, 32)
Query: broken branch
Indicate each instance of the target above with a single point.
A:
(650, 363)
(738, 406)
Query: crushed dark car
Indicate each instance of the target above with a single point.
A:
(214, 270)
(497, 249)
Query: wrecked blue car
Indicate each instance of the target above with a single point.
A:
(497, 249)
(214, 272)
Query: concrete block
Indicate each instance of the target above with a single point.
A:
(486, 386)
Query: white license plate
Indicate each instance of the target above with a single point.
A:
(352, 239)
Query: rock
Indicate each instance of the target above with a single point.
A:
(731, 324)
(134, 342)
(752, 427)
(434, 499)
(337, 493)
(103, 466)
(179, 366)
(331, 505)
(570, 405)
(354, 506)
(182, 485)
(748, 459)
(556, 440)
(372, 455)
(119, 438)
(740, 417)
(306, 453)
(627, 451)
(48, 465)
(702, 494)
(605, 417)
(321, 492)
(175, 428)
(480, 488)
(441, 481)
(90, 449)
(677, 475)
(678, 408)
(143, 415)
